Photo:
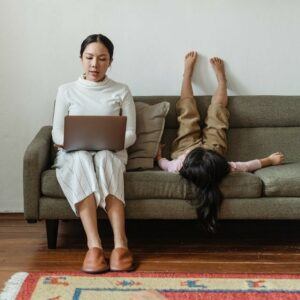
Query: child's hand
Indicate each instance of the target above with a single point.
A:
(276, 158)
(159, 150)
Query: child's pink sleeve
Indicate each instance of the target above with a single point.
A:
(170, 165)
(247, 166)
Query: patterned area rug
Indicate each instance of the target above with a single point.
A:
(144, 285)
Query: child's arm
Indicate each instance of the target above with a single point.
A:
(253, 165)
(159, 150)
(163, 163)
(168, 165)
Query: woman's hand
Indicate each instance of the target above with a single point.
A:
(276, 158)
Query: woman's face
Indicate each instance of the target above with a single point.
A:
(95, 61)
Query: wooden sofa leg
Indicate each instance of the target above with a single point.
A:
(52, 229)
(31, 221)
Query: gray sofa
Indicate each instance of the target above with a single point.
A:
(259, 125)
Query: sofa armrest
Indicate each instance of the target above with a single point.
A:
(36, 160)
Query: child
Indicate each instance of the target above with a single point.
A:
(199, 156)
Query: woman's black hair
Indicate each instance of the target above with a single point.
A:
(206, 169)
(100, 38)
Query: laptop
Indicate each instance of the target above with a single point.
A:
(94, 133)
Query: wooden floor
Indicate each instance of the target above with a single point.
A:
(238, 247)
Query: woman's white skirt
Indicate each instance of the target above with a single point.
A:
(81, 173)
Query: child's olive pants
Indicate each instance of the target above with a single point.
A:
(189, 135)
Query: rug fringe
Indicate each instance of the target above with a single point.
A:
(12, 286)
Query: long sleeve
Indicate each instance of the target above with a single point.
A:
(60, 111)
(247, 166)
(128, 110)
(172, 165)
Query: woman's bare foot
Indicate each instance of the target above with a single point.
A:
(218, 66)
(189, 63)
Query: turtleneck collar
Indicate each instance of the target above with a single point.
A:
(92, 84)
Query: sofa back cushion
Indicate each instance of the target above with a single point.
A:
(259, 125)
(150, 123)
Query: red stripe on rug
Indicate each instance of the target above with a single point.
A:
(172, 275)
(29, 285)
(31, 280)
(232, 296)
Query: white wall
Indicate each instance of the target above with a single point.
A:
(39, 47)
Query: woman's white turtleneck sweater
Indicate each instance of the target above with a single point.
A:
(84, 97)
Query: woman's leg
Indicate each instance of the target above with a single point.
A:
(76, 175)
(217, 120)
(189, 132)
(87, 210)
(121, 258)
(94, 261)
(110, 173)
(116, 215)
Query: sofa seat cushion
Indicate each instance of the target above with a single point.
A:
(283, 180)
(236, 185)
(153, 184)
(241, 185)
(156, 184)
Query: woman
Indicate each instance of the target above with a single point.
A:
(199, 156)
(91, 179)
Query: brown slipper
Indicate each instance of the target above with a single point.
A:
(121, 260)
(94, 261)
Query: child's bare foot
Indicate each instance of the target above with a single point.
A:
(218, 66)
(189, 63)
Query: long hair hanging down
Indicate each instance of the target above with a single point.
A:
(206, 169)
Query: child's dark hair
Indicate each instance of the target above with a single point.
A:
(206, 169)
(100, 38)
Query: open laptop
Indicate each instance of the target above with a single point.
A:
(94, 133)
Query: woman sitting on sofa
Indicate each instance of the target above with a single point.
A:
(199, 156)
(91, 179)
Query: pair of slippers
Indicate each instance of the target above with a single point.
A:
(121, 260)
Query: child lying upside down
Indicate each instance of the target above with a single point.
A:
(199, 154)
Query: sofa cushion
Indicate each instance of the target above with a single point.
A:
(258, 125)
(241, 185)
(150, 122)
(250, 143)
(283, 180)
(156, 184)
(245, 111)
(235, 185)
(138, 185)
